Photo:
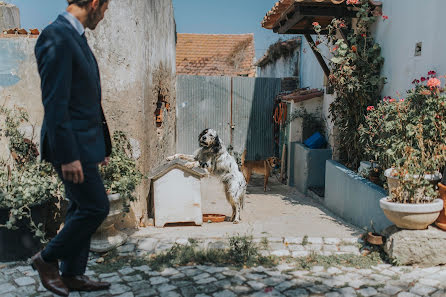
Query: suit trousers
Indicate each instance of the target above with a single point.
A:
(88, 208)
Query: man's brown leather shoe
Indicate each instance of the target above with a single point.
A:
(49, 275)
(83, 283)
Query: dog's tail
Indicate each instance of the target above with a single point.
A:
(243, 157)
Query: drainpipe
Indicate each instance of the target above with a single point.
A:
(300, 60)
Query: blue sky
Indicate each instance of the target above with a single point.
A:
(192, 16)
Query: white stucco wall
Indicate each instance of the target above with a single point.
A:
(411, 21)
(311, 73)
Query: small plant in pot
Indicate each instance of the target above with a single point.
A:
(406, 136)
(121, 177)
(30, 193)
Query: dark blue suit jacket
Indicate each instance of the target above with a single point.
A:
(74, 126)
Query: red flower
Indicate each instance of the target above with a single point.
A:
(370, 108)
(354, 48)
(315, 24)
(385, 17)
(342, 25)
(432, 72)
(402, 100)
(415, 81)
(352, 1)
(317, 42)
(423, 79)
(334, 49)
(364, 35)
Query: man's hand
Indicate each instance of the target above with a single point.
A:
(72, 172)
(106, 161)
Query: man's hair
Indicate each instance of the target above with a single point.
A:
(82, 3)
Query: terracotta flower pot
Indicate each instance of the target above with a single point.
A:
(374, 239)
(441, 221)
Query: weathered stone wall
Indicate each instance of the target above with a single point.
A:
(135, 49)
(9, 16)
(283, 67)
(19, 79)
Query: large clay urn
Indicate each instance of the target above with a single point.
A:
(441, 221)
(107, 237)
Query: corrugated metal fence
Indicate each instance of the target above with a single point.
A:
(208, 102)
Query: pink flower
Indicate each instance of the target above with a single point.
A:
(392, 100)
(352, 1)
(433, 83)
(370, 108)
(385, 17)
(402, 100)
(315, 24)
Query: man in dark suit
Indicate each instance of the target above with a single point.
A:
(75, 139)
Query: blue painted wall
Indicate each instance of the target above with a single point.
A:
(354, 198)
(11, 55)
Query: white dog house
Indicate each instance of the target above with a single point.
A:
(176, 194)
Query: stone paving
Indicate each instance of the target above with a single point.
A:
(18, 279)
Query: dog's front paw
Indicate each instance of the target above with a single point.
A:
(190, 165)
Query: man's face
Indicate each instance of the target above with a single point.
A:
(96, 13)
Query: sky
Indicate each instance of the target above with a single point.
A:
(192, 16)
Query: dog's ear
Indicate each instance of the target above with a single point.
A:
(217, 144)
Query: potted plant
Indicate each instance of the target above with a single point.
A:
(121, 177)
(406, 136)
(29, 193)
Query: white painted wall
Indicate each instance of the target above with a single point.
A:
(411, 21)
(311, 73)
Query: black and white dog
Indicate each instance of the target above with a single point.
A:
(213, 156)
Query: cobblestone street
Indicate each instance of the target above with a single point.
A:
(281, 239)
(18, 279)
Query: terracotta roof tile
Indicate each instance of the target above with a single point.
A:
(216, 54)
(302, 95)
